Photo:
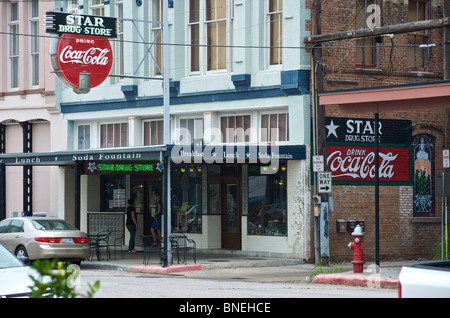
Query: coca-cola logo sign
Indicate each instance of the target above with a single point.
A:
(354, 163)
(351, 151)
(84, 54)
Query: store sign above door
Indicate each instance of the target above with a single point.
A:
(235, 154)
(104, 167)
(60, 22)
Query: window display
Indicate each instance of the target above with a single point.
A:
(267, 202)
(114, 192)
(187, 199)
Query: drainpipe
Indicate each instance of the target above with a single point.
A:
(315, 147)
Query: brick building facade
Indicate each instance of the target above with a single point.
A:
(409, 222)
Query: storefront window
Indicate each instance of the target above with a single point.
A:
(267, 202)
(187, 199)
(114, 192)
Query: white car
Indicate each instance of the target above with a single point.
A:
(44, 238)
(425, 280)
(15, 278)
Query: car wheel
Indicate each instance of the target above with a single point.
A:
(21, 252)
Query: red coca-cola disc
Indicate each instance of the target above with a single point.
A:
(84, 54)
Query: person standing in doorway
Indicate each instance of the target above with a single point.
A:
(156, 225)
(131, 224)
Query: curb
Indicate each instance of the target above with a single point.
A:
(164, 270)
(356, 280)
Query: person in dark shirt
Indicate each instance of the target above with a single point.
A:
(156, 225)
(131, 224)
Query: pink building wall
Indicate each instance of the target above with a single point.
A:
(35, 104)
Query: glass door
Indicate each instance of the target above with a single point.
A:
(152, 187)
(231, 214)
(142, 190)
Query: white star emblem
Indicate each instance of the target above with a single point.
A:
(92, 167)
(160, 167)
(332, 129)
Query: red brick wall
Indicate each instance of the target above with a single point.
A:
(401, 235)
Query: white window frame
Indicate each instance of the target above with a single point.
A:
(13, 58)
(73, 7)
(121, 123)
(34, 47)
(268, 35)
(86, 127)
(203, 40)
(155, 28)
(198, 132)
(119, 59)
(269, 135)
(251, 131)
(159, 121)
(97, 7)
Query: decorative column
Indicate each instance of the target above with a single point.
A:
(27, 169)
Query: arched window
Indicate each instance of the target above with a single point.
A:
(424, 197)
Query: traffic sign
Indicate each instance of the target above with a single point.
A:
(318, 164)
(324, 182)
(446, 158)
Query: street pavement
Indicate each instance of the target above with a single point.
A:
(224, 264)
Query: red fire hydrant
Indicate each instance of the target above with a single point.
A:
(358, 259)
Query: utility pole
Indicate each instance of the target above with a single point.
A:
(166, 76)
(319, 142)
(389, 29)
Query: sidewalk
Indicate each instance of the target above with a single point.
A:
(223, 264)
(385, 277)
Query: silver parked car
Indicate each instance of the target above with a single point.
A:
(44, 238)
(15, 278)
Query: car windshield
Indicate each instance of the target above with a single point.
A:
(58, 225)
(8, 260)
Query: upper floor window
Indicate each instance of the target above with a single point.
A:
(153, 133)
(34, 45)
(275, 17)
(191, 130)
(209, 29)
(114, 135)
(419, 58)
(119, 44)
(84, 137)
(72, 6)
(275, 127)
(97, 7)
(235, 129)
(157, 35)
(367, 51)
(13, 26)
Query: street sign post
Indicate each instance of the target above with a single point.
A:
(324, 180)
